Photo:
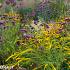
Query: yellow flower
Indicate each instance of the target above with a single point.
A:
(68, 49)
(48, 38)
(57, 35)
(45, 66)
(68, 62)
(17, 59)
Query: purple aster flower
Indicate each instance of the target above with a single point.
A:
(12, 1)
(27, 36)
(35, 22)
(13, 68)
(23, 30)
(47, 26)
(60, 30)
(62, 23)
(67, 19)
(1, 22)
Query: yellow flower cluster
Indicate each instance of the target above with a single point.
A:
(13, 16)
(52, 30)
(45, 34)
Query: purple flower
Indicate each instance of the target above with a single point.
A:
(27, 36)
(62, 23)
(11, 69)
(35, 22)
(17, 43)
(7, 2)
(23, 30)
(47, 26)
(23, 20)
(1, 22)
(67, 19)
(11, 2)
(60, 30)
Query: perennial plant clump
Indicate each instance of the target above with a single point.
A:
(45, 48)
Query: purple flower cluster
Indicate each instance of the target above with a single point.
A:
(35, 22)
(59, 31)
(47, 26)
(42, 5)
(27, 36)
(62, 23)
(13, 2)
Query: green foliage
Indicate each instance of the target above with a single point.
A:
(9, 37)
(25, 12)
(1, 1)
(48, 53)
(52, 10)
(38, 46)
(17, 57)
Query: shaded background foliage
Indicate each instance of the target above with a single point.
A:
(48, 10)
